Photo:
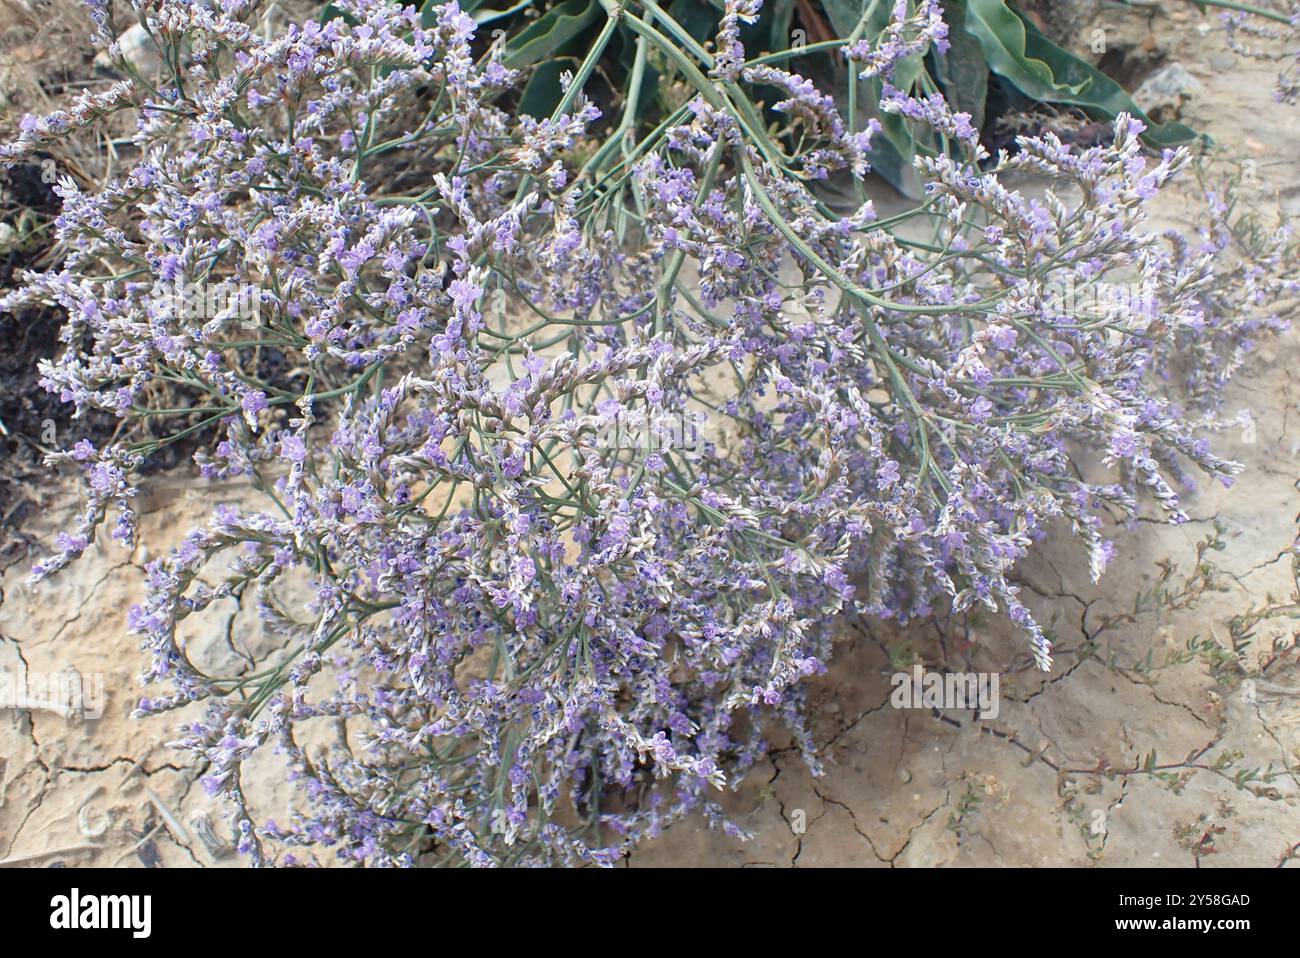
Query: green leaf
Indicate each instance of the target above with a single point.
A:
(488, 16)
(543, 38)
(1002, 36)
(845, 14)
(962, 71)
(770, 33)
(891, 155)
(542, 93)
(892, 151)
(332, 12)
(781, 15)
(698, 17)
(1103, 97)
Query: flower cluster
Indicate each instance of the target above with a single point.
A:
(912, 30)
(545, 647)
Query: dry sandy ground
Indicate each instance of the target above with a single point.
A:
(1060, 777)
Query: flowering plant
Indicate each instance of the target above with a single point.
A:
(986, 45)
(543, 645)
(1247, 25)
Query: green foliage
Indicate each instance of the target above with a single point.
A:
(991, 41)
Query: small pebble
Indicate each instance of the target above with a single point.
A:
(1223, 62)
